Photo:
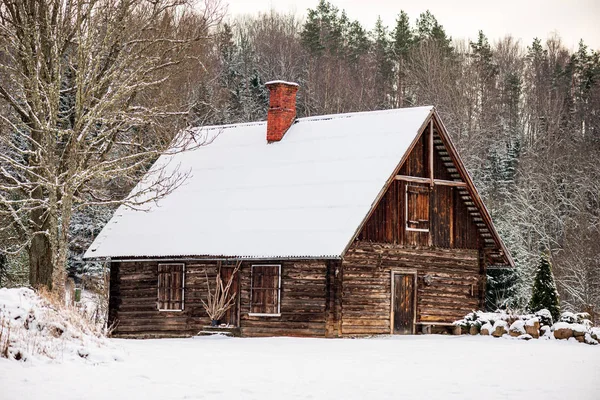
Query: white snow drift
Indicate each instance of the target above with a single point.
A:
(32, 329)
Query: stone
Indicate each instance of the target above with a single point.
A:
(578, 332)
(486, 329)
(474, 330)
(517, 328)
(562, 330)
(532, 327)
(525, 337)
(500, 328)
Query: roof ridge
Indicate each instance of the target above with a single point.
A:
(312, 118)
(356, 113)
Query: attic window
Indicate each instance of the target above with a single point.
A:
(171, 285)
(265, 292)
(417, 208)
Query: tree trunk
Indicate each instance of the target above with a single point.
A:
(40, 261)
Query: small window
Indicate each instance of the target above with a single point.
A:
(265, 290)
(417, 208)
(171, 285)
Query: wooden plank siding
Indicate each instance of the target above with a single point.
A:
(306, 300)
(450, 223)
(416, 163)
(453, 289)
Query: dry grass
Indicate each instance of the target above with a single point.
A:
(90, 321)
(4, 336)
(50, 329)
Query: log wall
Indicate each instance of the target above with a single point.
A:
(318, 298)
(453, 289)
(308, 300)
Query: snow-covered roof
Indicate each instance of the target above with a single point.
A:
(304, 196)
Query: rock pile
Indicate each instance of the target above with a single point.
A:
(570, 326)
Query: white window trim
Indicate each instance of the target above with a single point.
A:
(409, 229)
(278, 313)
(182, 290)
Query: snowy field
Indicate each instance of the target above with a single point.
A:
(409, 367)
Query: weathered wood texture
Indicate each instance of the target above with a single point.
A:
(449, 222)
(232, 316)
(304, 300)
(451, 289)
(170, 286)
(403, 303)
(416, 163)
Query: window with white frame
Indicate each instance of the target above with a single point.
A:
(265, 290)
(171, 286)
(417, 208)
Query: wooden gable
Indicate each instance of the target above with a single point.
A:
(432, 202)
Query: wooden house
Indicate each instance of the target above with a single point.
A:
(349, 224)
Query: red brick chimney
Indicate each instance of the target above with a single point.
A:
(282, 108)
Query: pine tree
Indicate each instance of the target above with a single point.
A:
(544, 294)
(429, 29)
(383, 61)
(403, 41)
(358, 43)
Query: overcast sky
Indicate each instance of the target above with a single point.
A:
(524, 19)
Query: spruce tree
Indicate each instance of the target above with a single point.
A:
(544, 293)
(402, 44)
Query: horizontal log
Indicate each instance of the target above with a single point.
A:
(261, 332)
(367, 323)
(364, 330)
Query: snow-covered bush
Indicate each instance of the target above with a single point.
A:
(35, 328)
(568, 317)
(545, 317)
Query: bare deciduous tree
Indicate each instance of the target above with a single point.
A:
(79, 79)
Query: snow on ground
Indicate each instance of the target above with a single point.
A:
(34, 330)
(408, 367)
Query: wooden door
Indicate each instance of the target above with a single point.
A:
(231, 317)
(404, 303)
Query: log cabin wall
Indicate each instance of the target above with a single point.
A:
(309, 302)
(451, 290)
